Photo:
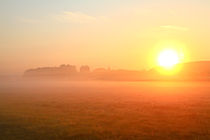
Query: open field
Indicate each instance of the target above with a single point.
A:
(105, 110)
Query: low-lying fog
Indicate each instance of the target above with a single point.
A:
(104, 110)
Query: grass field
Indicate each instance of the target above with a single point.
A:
(105, 110)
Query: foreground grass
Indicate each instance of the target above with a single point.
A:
(111, 111)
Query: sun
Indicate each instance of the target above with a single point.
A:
(168, 58)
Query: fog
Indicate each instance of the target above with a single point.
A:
(104, 110)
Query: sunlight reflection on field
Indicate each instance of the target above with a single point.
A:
(105, 110)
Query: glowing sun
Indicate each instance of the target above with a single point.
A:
(168, 58)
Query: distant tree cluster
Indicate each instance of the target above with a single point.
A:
(85, 69)
(189, 71)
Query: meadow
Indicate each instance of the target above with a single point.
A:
(35, 110)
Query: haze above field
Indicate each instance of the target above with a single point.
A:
(193, 71)
(117, 34)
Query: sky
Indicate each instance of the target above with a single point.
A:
(120, 34)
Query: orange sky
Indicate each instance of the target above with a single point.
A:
(116, 34)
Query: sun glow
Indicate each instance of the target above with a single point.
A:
(168, 58)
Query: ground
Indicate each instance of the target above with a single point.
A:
(104, 110)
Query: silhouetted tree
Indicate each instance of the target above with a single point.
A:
(85, 69)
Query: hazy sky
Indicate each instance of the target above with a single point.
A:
(101, 33)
